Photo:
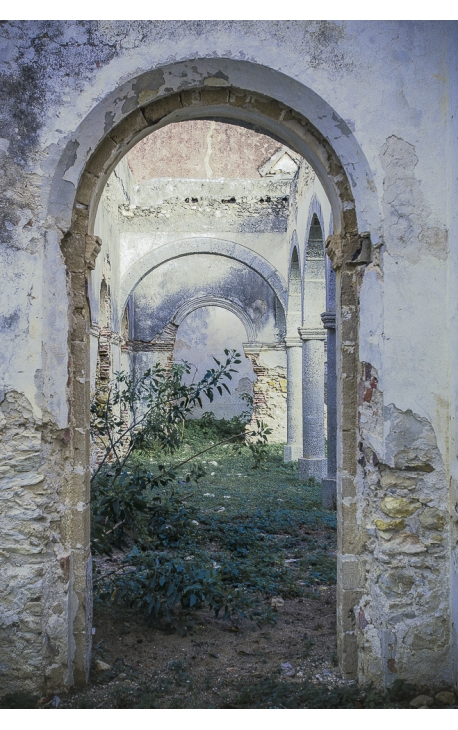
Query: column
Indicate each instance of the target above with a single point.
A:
(293, 448)
(313, 463)
(329, 488)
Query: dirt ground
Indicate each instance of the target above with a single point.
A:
(206, 665)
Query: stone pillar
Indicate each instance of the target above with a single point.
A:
(313, 463)
(329, 483)
(293, 448)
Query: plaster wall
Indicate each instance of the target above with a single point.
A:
(206, 332)
(381, 94)
(252, 213)
(135, 219)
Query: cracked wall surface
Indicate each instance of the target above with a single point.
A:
(366, 114)
(402, 622)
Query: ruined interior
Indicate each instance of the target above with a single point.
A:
(179, 250)
(146, 199)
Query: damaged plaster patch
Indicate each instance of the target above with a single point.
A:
(371, 333)
(29, 572)
(408, 218)
(410, 441)
(407, 528)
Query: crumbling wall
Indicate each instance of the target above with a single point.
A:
(201, 149)
(106, 276)
(402, 620)
(220, 284)
(36, 594)
(269, 389)
(346, 91)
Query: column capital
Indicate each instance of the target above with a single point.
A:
(251, 348)
(329, 320)
(93, 247)
(293, 341)
(311, 333)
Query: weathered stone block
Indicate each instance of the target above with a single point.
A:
(214, 96)
(81, 440)
(446, 698)
(349, 454)
(348, 487)
(432, 519)
(349, 601)
(405, 542)
(349, 330)
(348, 291)
(238, 98)
(79, 298)
(350, 573)
(349, 216)
(348, 369)
(129, 127)
(398, 480)
(102, 157)
(79, 326)
(348, 655)
(421, 701)
(396, 581)
(351, 532)
(157, 110)
(390, 524)
(86, 188)
(267, 107)
(73, 250)
(399, 506)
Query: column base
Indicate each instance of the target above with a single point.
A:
(329, 493)
(315, 468)
(292, 452)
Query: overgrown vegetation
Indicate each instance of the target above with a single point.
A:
(189, 517)
(274, 693)
(191, 514)
(142, 492)
(240, 537)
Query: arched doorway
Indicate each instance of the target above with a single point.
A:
(213, 97)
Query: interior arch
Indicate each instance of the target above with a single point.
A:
(189, 246)
(212, 301)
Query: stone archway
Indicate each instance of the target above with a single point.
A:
(189, 246)
(213, 97)
(213, 301)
